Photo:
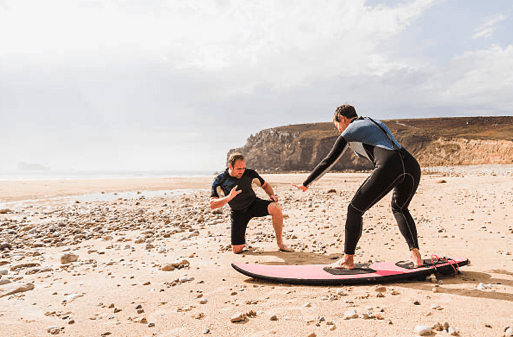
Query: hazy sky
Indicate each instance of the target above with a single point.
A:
(170, 85)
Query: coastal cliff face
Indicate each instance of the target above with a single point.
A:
(433, 141)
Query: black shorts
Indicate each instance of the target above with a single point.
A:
(240, 219)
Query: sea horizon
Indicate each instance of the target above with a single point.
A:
(99, 174)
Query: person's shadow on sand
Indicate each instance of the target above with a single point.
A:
(471, 277)
(293, 258)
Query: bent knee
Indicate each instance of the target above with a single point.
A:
(397, 208)
(274, 208)
(351, 210)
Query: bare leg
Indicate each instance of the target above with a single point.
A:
(416, 257)
(275, 211)
(347, 262)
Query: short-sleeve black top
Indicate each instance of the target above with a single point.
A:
(226, 182)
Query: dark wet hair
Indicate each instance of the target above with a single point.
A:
(234, 157)
(344, 110)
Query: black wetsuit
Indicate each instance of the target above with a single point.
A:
(245, 205)
(394, 169)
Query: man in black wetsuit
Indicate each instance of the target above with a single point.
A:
(234, 187)
(394, 169)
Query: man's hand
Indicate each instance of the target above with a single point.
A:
(303, 188)
(234, 192)
(274, 197)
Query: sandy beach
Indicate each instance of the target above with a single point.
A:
(147, 257)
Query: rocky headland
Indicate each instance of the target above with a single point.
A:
(433, 141)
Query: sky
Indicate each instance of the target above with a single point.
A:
(174, 85)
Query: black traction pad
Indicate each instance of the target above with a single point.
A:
(358, 269)
(425, 263)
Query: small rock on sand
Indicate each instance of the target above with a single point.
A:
(18, 289)
(422, 330)
(68, 258)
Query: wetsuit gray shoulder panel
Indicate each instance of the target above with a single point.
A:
(363, 130)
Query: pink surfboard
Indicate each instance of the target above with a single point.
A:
(380, 272)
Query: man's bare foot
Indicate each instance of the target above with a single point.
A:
(347, 262)
(416, 258)
(237, 249)
(284, 248)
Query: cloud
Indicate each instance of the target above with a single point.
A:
(486, 30)
(283, 43)
(159, 84)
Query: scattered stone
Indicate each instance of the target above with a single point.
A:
(423, 330)
(452, 331)
(5, 246)
(274, 318)
(71, 297)
(54, 330)
(238, 318)
(69, 258)
(179, 264)
(350, 314)
(508, 332)
(380, 289)
(24, 265)
(19, 289)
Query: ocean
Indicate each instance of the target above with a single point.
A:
(72, 175)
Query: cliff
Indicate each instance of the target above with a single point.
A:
(433, 141)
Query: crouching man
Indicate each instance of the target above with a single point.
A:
(233, 187)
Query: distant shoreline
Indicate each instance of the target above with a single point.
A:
(18, 190)
(95, 175)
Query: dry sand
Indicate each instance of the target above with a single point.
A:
(121, 243)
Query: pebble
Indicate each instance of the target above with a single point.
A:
(423, 330)
(18, 289)
(238, 318)
(178, 264)
(71, 297)
(483, 286)
(54, 330)
(508, 332)
(24, 265)
(68, 258)
(350, 314)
